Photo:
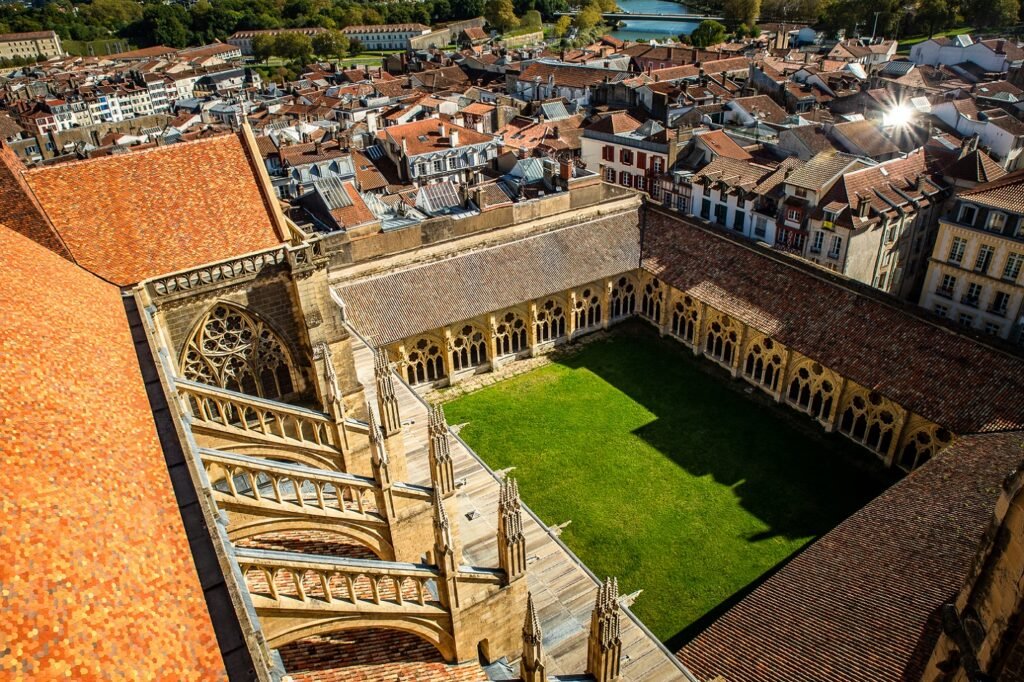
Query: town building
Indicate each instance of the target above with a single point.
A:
(31, 45)
(974, 274)
(386, 36)
(433, 150)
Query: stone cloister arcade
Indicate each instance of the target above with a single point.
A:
(450, 354)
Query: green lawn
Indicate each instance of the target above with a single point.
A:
(907, 43)
(675, 481)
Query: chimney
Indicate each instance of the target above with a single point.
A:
(566, 171)
(440, 128)
(318, 147)
(453, 138)
(549, 173)
(694, 57)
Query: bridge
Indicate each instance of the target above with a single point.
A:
(638, 16)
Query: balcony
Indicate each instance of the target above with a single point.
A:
(944, 293)
(971, 301)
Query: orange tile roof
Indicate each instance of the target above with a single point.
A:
(132, 216)
(21, 212)
(97, 574)
(723, 145)
(429, 129)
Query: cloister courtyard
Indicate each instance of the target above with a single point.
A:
(674, 478)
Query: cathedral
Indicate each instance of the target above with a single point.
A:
(221, 464)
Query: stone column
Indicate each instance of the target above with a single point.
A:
(830, 418)
(446, 336)
(737, 355)
(570, 324)
(531, 328)
(698, 328)
(606, 303)
(783, 376)
(490, 332)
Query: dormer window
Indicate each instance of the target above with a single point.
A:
(967, 215)
(801, 192)
(996, 221)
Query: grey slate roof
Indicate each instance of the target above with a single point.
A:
(400, 304)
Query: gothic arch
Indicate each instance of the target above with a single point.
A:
(550, 319)
(424, 360)
(233, 348)
(587, 307)
(922, 440)
(763, 362)
(250, 526)
(468, 346)
(652, 299)
(282, 630)
(812, 389)
(870, 419)
(510, 335)
(721, 337)
(623, 297)
(685, 316)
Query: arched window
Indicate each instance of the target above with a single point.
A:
(650, 303)
(469, 348)
(550, 321)
(588, 309)
(424, 362)
(236, 350)
(510, 334)
(921, 444)
(721, 339)
(812, 390)
(623, 299)
(684, 319)
(763, 364)
(871, 420)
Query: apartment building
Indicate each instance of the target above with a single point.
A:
(30, 45)
(627, 152)
(386, 36)
(974, 275)
(431, 150)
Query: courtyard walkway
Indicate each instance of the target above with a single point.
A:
(563, 590)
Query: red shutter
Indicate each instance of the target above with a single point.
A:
(608, 153)
(641, 160)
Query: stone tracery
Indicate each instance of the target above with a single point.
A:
(234, 349)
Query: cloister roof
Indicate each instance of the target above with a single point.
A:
(927, 368)
(862, 602)
(403, 303)
(97, 575)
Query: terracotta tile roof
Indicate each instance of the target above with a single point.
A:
(132, 216)
(368, 176)
(811, 136)
(568, 76)
(839, 327)
(310, 152)
(723, 145)
(861, 603)
(865, 137)
(615, 124)
(425, 136)
(479, 109)
(822, 168)
(21, 211)
(406, 302)
(733, 172)
(97, 573)
(762, 104)
(882, 186)
(1006, 193)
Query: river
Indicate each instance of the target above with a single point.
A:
(646, 30)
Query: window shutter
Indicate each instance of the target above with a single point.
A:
(641, 160)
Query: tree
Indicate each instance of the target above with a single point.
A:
(532, 19)
(501, 14)
(562, 25)
(991, 12)
(743, 11)
(263, 47)
(113, 15)
(608, 5)
(355, 47)
(161, 25)
(589, 16)
(332, 43)
(934, 15)
(293, 46)
(709, 33)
